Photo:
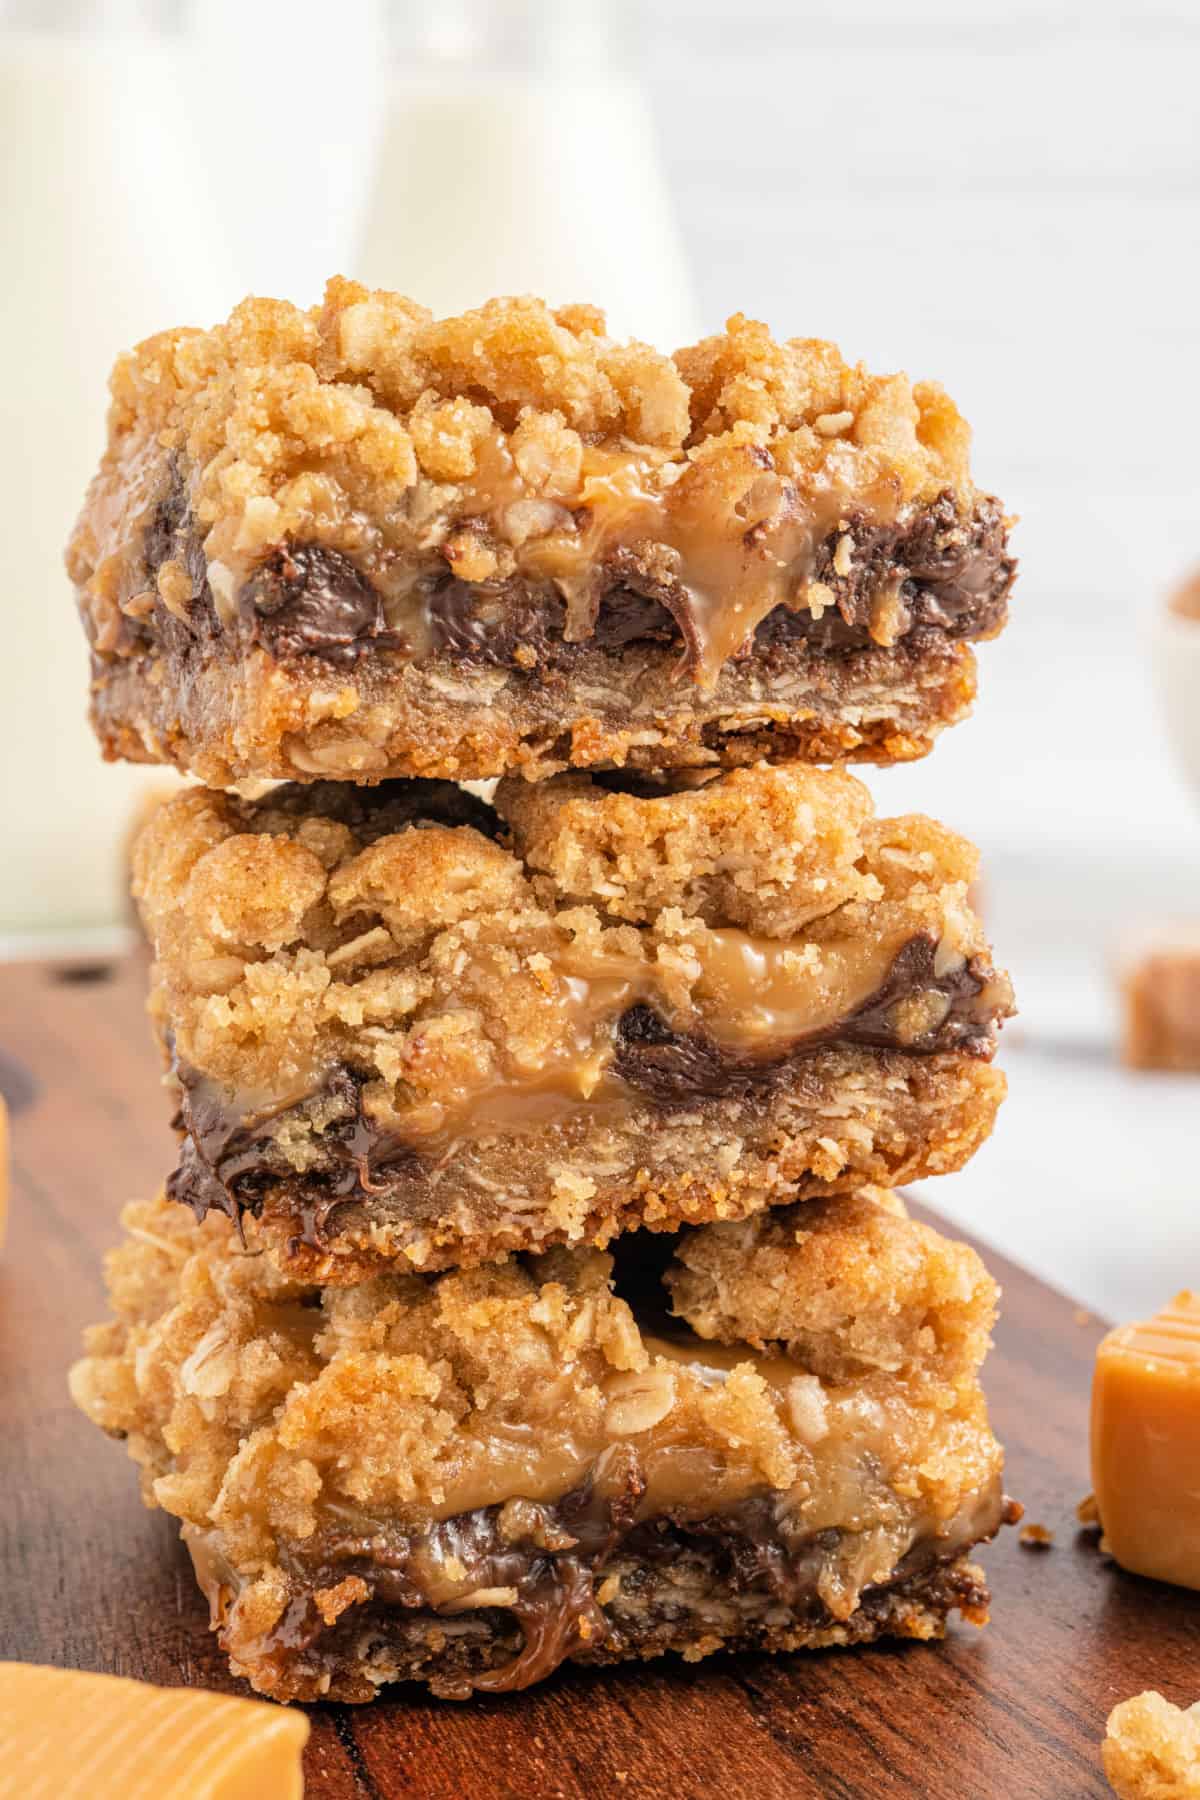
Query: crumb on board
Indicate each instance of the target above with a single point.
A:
(1088, 1513)
(1082, 1316)
(1151, 1749)
(1036, 1537)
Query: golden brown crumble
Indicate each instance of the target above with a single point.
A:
(295, 421)
(846, 1291)
(287, 938)
(359, 542)
(262, 1412)
(768, 849)
(1152, 1749)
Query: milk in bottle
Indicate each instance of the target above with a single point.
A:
(105, 236)
(516, 157)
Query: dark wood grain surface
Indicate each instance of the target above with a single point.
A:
(92, 1580)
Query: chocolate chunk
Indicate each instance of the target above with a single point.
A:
(962, 576)
(171, 536)
(951, 575)
(624, 617)
(380, 811)
(640, 585)
(490, 623)
(229, 1157)
(169, 521)
(311, 600)
(677, 1066)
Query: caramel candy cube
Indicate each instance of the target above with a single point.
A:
(1146, 1443)
(1160, 990)
(100, 1737)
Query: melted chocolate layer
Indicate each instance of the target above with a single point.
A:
(229, 1160)
(949, 575)
(310, 600)
(552, 1558)
(945, 573)
(386, 808)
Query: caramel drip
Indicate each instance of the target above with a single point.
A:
(754, 996)
(540, 1461)
(712, 1363)
(756, 992)
(733, 537)
(737, 537)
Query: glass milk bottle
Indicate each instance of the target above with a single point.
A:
(517, 157)
(105, 236)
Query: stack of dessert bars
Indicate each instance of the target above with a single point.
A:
(530, 1285)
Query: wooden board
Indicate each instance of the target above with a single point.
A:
(92, 1580)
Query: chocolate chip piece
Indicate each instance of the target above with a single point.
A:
(624, 617)
(170, 518)
(172, 535)
(489, 624)
(311, 600)
(675, 1067)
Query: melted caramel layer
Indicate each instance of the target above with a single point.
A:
(755, 997)
(732, 541)
(720, 543)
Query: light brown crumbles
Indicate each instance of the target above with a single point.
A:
(293, 420)
(263, 1412)
(1152, 1749)
(293, 929)
(846, 1291)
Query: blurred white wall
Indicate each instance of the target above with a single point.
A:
(1005, 197)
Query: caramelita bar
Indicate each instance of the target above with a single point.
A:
(467, 1479)
(402, 1022)
(358, 542)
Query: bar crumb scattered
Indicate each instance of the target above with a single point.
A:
(1151, 1749)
